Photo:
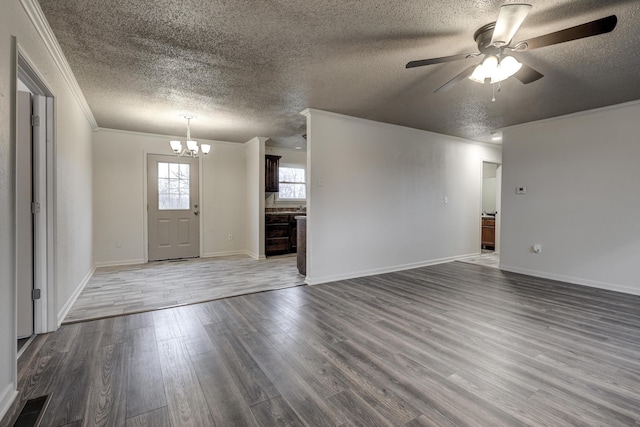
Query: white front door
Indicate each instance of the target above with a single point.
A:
(173, 207)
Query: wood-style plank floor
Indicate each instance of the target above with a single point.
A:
(113, 291)
(449, 345)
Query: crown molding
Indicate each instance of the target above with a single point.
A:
(308, 112)
(35, 14)
(576, 114)
(160, 135)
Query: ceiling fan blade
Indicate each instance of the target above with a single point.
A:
(457, 79)
(431, 61)
(509, 20)
(593, 28)
(527, 74)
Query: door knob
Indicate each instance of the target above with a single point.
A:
(196, 212)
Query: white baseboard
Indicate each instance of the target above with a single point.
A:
(6, 399)
(118, 263)
(223, 254)
(383, 270)
(255, 256)
(573, 280)
(65, 309)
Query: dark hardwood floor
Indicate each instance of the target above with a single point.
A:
(449, 345)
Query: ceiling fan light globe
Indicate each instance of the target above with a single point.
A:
(478, 74)
(507, 68)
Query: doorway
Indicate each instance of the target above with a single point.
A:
(173, 207)
(491, 201)
(34, 203)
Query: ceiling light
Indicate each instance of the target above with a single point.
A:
(192, 148)
(495, 70)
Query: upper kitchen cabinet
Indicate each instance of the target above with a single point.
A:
(271, 179)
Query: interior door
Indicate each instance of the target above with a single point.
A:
(173, 207)
(24, 225)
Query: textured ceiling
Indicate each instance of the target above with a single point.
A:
(246, 68)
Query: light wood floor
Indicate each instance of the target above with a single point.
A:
(120, 290)
(449, 345)
(486, 258)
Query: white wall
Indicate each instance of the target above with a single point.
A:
(582, 202)
(73, 215)
(255, 196)
(376, 197)
(288, 156)
(489, 195)
(119, 186)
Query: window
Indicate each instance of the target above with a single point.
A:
(293, 185)
(173, 186)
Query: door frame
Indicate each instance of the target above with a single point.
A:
(145, 202)
(498, 205)
(44, 167)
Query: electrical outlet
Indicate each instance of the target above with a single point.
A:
(230, 237)
(446, 200)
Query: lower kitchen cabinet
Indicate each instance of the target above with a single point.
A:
(280, 234)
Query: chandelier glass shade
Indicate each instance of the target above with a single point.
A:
(495, 69)
(192, 147)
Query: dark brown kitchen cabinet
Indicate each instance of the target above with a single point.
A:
(302, 244)
(280, 235)
(272, 176)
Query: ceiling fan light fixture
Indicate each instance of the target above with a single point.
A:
(495, 70)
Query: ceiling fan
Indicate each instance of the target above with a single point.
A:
(494, 41)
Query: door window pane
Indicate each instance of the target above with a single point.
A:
(173, 186)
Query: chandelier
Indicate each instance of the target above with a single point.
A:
(192, 148)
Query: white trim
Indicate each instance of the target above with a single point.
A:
(145, 206)
(572, 280)
(383, 270)
(159, 135)
(35, 14)
(226, 253)
(579, 113)
(119, 263)
(44, 169)
(65, 310)
(6, 399)
(307, 112)
(255, 256)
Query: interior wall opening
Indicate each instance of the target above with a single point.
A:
(35, 204)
